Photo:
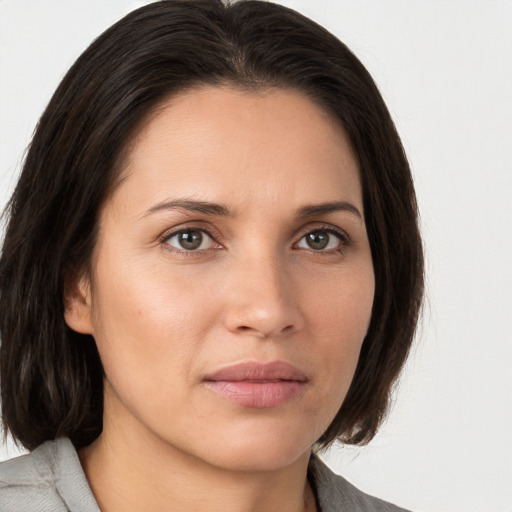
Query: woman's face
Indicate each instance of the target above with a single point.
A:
(232, 281)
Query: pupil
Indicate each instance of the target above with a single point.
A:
(191, 239)
(318, 240)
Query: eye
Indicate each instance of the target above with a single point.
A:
(190, 240)
(322, 240)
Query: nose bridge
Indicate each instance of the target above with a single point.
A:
(262, 299)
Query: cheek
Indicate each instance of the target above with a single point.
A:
(340, 305)
(147, 323)
(339, 318)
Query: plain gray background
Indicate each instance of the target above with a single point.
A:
(445, 70)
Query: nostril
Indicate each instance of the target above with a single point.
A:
(261, 333)
(247, 330)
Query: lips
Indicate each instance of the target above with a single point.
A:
(257, 385)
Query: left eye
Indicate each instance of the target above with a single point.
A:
(320, 240)
(190, 240)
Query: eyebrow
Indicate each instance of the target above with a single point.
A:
(193, 206)
(325, 208)
(220, 210)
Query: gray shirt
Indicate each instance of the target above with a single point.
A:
(51, 479)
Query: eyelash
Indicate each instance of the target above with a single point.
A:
(342, 236)
(339, 234)
(168, 235)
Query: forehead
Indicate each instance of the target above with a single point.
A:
(239, 145)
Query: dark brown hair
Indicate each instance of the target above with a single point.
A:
(51, 376)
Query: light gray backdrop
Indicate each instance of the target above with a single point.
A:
(445, 69)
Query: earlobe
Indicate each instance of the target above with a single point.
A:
(77, 304)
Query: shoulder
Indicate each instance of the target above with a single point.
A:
(28, 482)
(50, 478)
(334, 493)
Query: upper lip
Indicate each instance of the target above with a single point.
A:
(258, 372)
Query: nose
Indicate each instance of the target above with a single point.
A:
(262, 300)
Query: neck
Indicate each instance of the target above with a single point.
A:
(152, 475)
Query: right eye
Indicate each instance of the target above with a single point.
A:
(190, 240)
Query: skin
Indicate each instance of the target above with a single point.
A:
(163, 317)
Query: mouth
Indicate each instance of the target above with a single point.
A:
(257, 385)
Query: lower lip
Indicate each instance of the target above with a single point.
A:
(257, 394)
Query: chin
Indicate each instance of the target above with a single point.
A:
(265, 451)
(258, 460)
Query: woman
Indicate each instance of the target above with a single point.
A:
(211, 269)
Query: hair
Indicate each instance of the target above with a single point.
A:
(51, 376)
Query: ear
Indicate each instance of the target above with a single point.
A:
(77, 303)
